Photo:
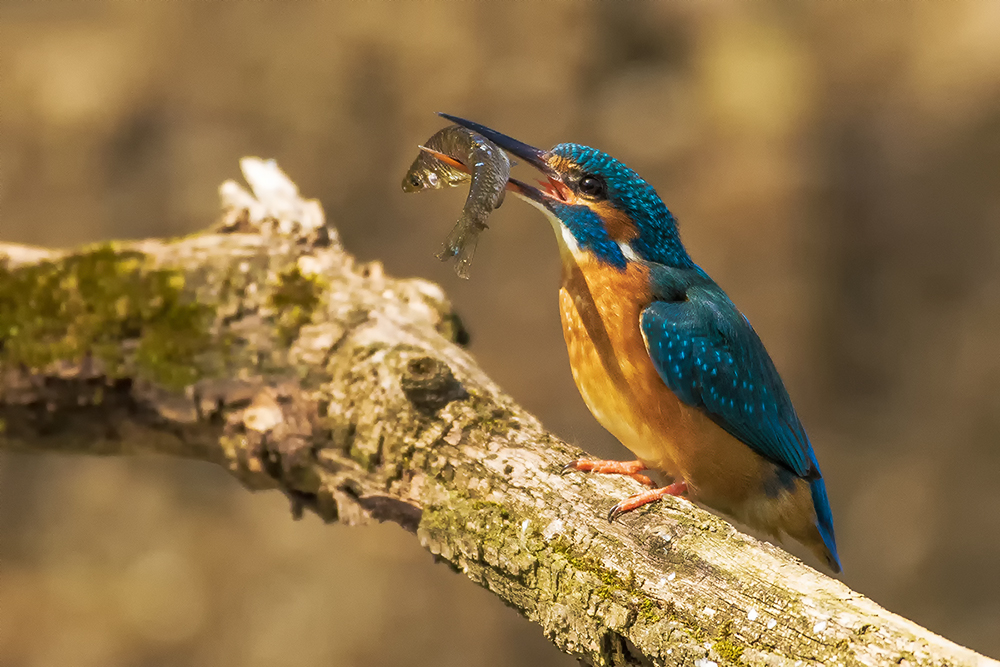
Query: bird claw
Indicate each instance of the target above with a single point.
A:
(625, 468)
(642, 479)
(645, 498)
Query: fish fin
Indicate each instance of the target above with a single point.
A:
(456, 238)
(447, 252)
(447, 159)
(461, 243)
(465, 255)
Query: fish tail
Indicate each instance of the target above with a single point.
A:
(461, 242)
(456, 238)
(466, 254)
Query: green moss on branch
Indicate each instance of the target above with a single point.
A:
(294, 299)
(89, 303)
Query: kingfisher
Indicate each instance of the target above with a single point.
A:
(663, 358)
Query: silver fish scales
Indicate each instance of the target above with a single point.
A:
(454, 156)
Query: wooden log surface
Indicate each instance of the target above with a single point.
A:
(262, 346)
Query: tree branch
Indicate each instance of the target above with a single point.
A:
(263, 347)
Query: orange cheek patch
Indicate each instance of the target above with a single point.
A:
(620, 227)
(617, 223)
(560, 164)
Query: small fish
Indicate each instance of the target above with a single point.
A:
(449, 158)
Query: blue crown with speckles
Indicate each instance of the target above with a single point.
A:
(658, 239)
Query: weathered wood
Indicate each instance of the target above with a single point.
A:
(262, 346)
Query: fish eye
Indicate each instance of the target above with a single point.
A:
(593, 187)
(415, 181)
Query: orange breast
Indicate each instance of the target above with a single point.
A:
(600, 308)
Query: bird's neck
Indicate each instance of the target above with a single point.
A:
(665, 253)
(660, 242)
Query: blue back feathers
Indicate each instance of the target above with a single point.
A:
(658, 240)
(705, 350)
(710, 356)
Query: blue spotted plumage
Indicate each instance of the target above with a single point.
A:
(664, 359)
(707, 352)
(709, 355)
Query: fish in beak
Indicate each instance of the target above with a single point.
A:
(553, 188)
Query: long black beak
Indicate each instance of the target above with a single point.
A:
(533, 156)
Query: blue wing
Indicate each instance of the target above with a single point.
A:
(708, 354)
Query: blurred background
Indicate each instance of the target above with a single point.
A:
(836, 167)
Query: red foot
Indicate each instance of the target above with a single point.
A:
(629, 468)
(646, 497)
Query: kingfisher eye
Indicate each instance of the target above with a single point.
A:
(593, 187)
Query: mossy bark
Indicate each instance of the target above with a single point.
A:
(262, 346)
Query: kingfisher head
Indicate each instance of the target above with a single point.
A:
(596, 203)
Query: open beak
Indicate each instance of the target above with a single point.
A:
(553, 189)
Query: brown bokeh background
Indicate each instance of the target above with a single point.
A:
(836, 167)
